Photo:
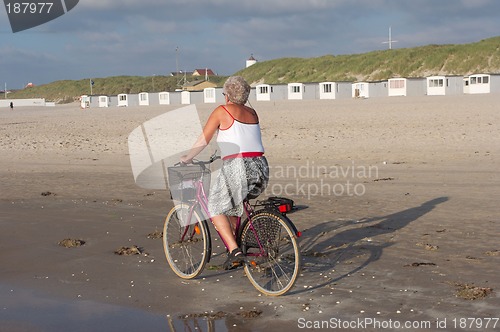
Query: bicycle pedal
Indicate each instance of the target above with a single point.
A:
(241, 262)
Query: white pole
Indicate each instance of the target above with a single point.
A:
(390, 41)
(90, 82)
(176, 61)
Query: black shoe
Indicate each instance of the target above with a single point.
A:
(234, 259)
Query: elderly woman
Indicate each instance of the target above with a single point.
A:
(244, 172)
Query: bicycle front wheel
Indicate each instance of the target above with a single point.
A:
(185, 246)
(272, 251)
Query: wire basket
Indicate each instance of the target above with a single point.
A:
(182, 179)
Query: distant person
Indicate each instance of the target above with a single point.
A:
(11, 105)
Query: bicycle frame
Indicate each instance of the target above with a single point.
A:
(202, 201)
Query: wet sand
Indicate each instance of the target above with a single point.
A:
(398, 208)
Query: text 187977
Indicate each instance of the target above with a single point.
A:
(29, 7)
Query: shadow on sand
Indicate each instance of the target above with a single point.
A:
(332, 243)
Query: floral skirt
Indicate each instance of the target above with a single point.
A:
(238, 178)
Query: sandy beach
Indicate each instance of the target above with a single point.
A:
(398, 208)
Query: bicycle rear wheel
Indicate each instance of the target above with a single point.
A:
(273, 255)
(186, 247)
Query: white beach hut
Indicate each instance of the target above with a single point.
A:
(209, 95)
(397, 87)
(295, 91)
(263, 92)
(466, 84)
(335, 90)
(185, 97)
(369, 89)
(444, 85)
(143, 99)
(164, 98)
(407, 87)
(122, 100)
(84, 101)
(360, 90)
(103, 101)
(484, 83)
(327, 90)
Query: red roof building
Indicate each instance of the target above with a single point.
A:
(203, 72)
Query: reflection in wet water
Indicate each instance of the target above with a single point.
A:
(28, 310)
(196, 324)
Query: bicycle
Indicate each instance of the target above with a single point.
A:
(267, 237)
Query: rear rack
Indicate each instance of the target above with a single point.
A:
(280, 204)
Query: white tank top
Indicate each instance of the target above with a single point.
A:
(240, 140)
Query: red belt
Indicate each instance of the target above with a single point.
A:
(244, 155)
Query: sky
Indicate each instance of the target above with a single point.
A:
(101, 38)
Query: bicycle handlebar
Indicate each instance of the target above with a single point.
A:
(213, 158)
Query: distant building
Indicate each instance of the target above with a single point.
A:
(296, 91)
(335, 90)
(407, 87)
(484, 83)
(251, 61)
(122, 100)
(263, 92)
(104, 101)
(203, 72)
(143, 99)
(302, 91)
(164, 98)
(198, 85)
(370, 89)
(85, 101)
(444, 85)
(181, 73)
(466, 84)
(266, 92)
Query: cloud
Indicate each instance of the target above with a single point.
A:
(140, 37)
(476, 3)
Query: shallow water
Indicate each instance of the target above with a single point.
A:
(28, 310)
